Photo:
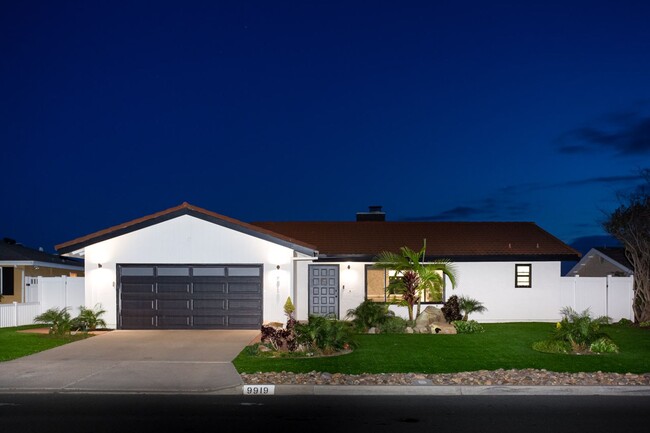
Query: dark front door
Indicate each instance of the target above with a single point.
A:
(190, 296)
(324, 290)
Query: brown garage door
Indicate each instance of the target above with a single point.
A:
(190, 296)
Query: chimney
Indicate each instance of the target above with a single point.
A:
(374, 214)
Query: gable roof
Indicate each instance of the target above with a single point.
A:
(452, 240)
(591, 263)
(174, 212)
(15, 254)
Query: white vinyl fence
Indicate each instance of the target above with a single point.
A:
(41, 294)
(604, 296)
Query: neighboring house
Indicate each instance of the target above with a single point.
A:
(18, 262)
(603, 261)
(188, 267)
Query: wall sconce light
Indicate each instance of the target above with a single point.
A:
(348, 266)
(99, 265)
(277, 267)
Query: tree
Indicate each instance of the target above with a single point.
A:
(630, 224)
(470, 305)
(414, 276)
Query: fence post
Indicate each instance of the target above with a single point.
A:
(15, 313)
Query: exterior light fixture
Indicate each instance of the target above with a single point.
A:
(99, 265)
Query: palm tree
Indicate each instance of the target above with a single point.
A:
(469, 305)
(414, 276)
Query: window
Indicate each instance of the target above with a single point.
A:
(7, 282)
(377, 280)
(523, 276)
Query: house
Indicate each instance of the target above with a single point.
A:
(187, 267)
(18, 261)
(603, 261)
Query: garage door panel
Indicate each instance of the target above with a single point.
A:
(244, 287)
(138, 322)
(210, 304)
(174, 322)
(137, 288)
(173, 288)
(190, 296)
(208, 287)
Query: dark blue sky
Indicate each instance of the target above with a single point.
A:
(437, 110)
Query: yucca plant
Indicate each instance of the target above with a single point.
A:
(57, 318)
(469, 305)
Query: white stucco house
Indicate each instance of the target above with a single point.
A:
(187, 267)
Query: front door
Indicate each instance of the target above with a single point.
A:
(324, 290)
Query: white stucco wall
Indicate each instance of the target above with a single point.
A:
(187, 240)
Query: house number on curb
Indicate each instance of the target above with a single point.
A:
(259, 389)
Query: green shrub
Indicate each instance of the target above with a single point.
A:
(369, 315)
(451, 310)
(324, 334)
(58, 319)
(579, 329)
(552, 346)
(88, 320)
(394, 325)
(603, 345)
(469, 305)
(625, 322)
(469, 327)
(644, 324)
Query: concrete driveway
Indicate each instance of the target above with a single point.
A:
(133, 361)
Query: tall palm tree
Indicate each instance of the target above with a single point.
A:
(414, 276)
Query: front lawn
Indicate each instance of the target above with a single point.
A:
(502, 345)
(14, 344)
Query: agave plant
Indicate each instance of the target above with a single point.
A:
(470, 305)
(57, 318)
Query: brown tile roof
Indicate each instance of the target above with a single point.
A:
(444, 239)
(182, 209)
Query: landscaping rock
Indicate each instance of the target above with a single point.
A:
(372, 330)
(430, 315)
(408, 330)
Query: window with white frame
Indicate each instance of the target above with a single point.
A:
(523, 275)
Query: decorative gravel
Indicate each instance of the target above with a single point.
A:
(529, 377)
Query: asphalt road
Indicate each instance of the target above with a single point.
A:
(99, 413)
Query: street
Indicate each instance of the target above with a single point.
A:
(99, 413)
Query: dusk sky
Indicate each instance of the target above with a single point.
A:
(272, 110)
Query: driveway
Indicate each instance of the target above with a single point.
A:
(133, 361)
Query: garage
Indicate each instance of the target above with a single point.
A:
(170, 296)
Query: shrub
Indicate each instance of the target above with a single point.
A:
(625, 322)
(451, 310)
(469, 305)
(644, 324)
(394, 325)
(552, 346)
(469, 327)
(324, 334)
(58, 319)
(579, 329)
(369, 314)
(88, 320)
(603, 345)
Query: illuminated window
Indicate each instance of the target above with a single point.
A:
(377, 281)
(523, 276)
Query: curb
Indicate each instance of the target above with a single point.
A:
(369, 390)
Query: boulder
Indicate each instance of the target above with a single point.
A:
(372, 330)
(408, 330)
(430, 315)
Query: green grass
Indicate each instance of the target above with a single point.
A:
(15, 344)
(502, 345)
